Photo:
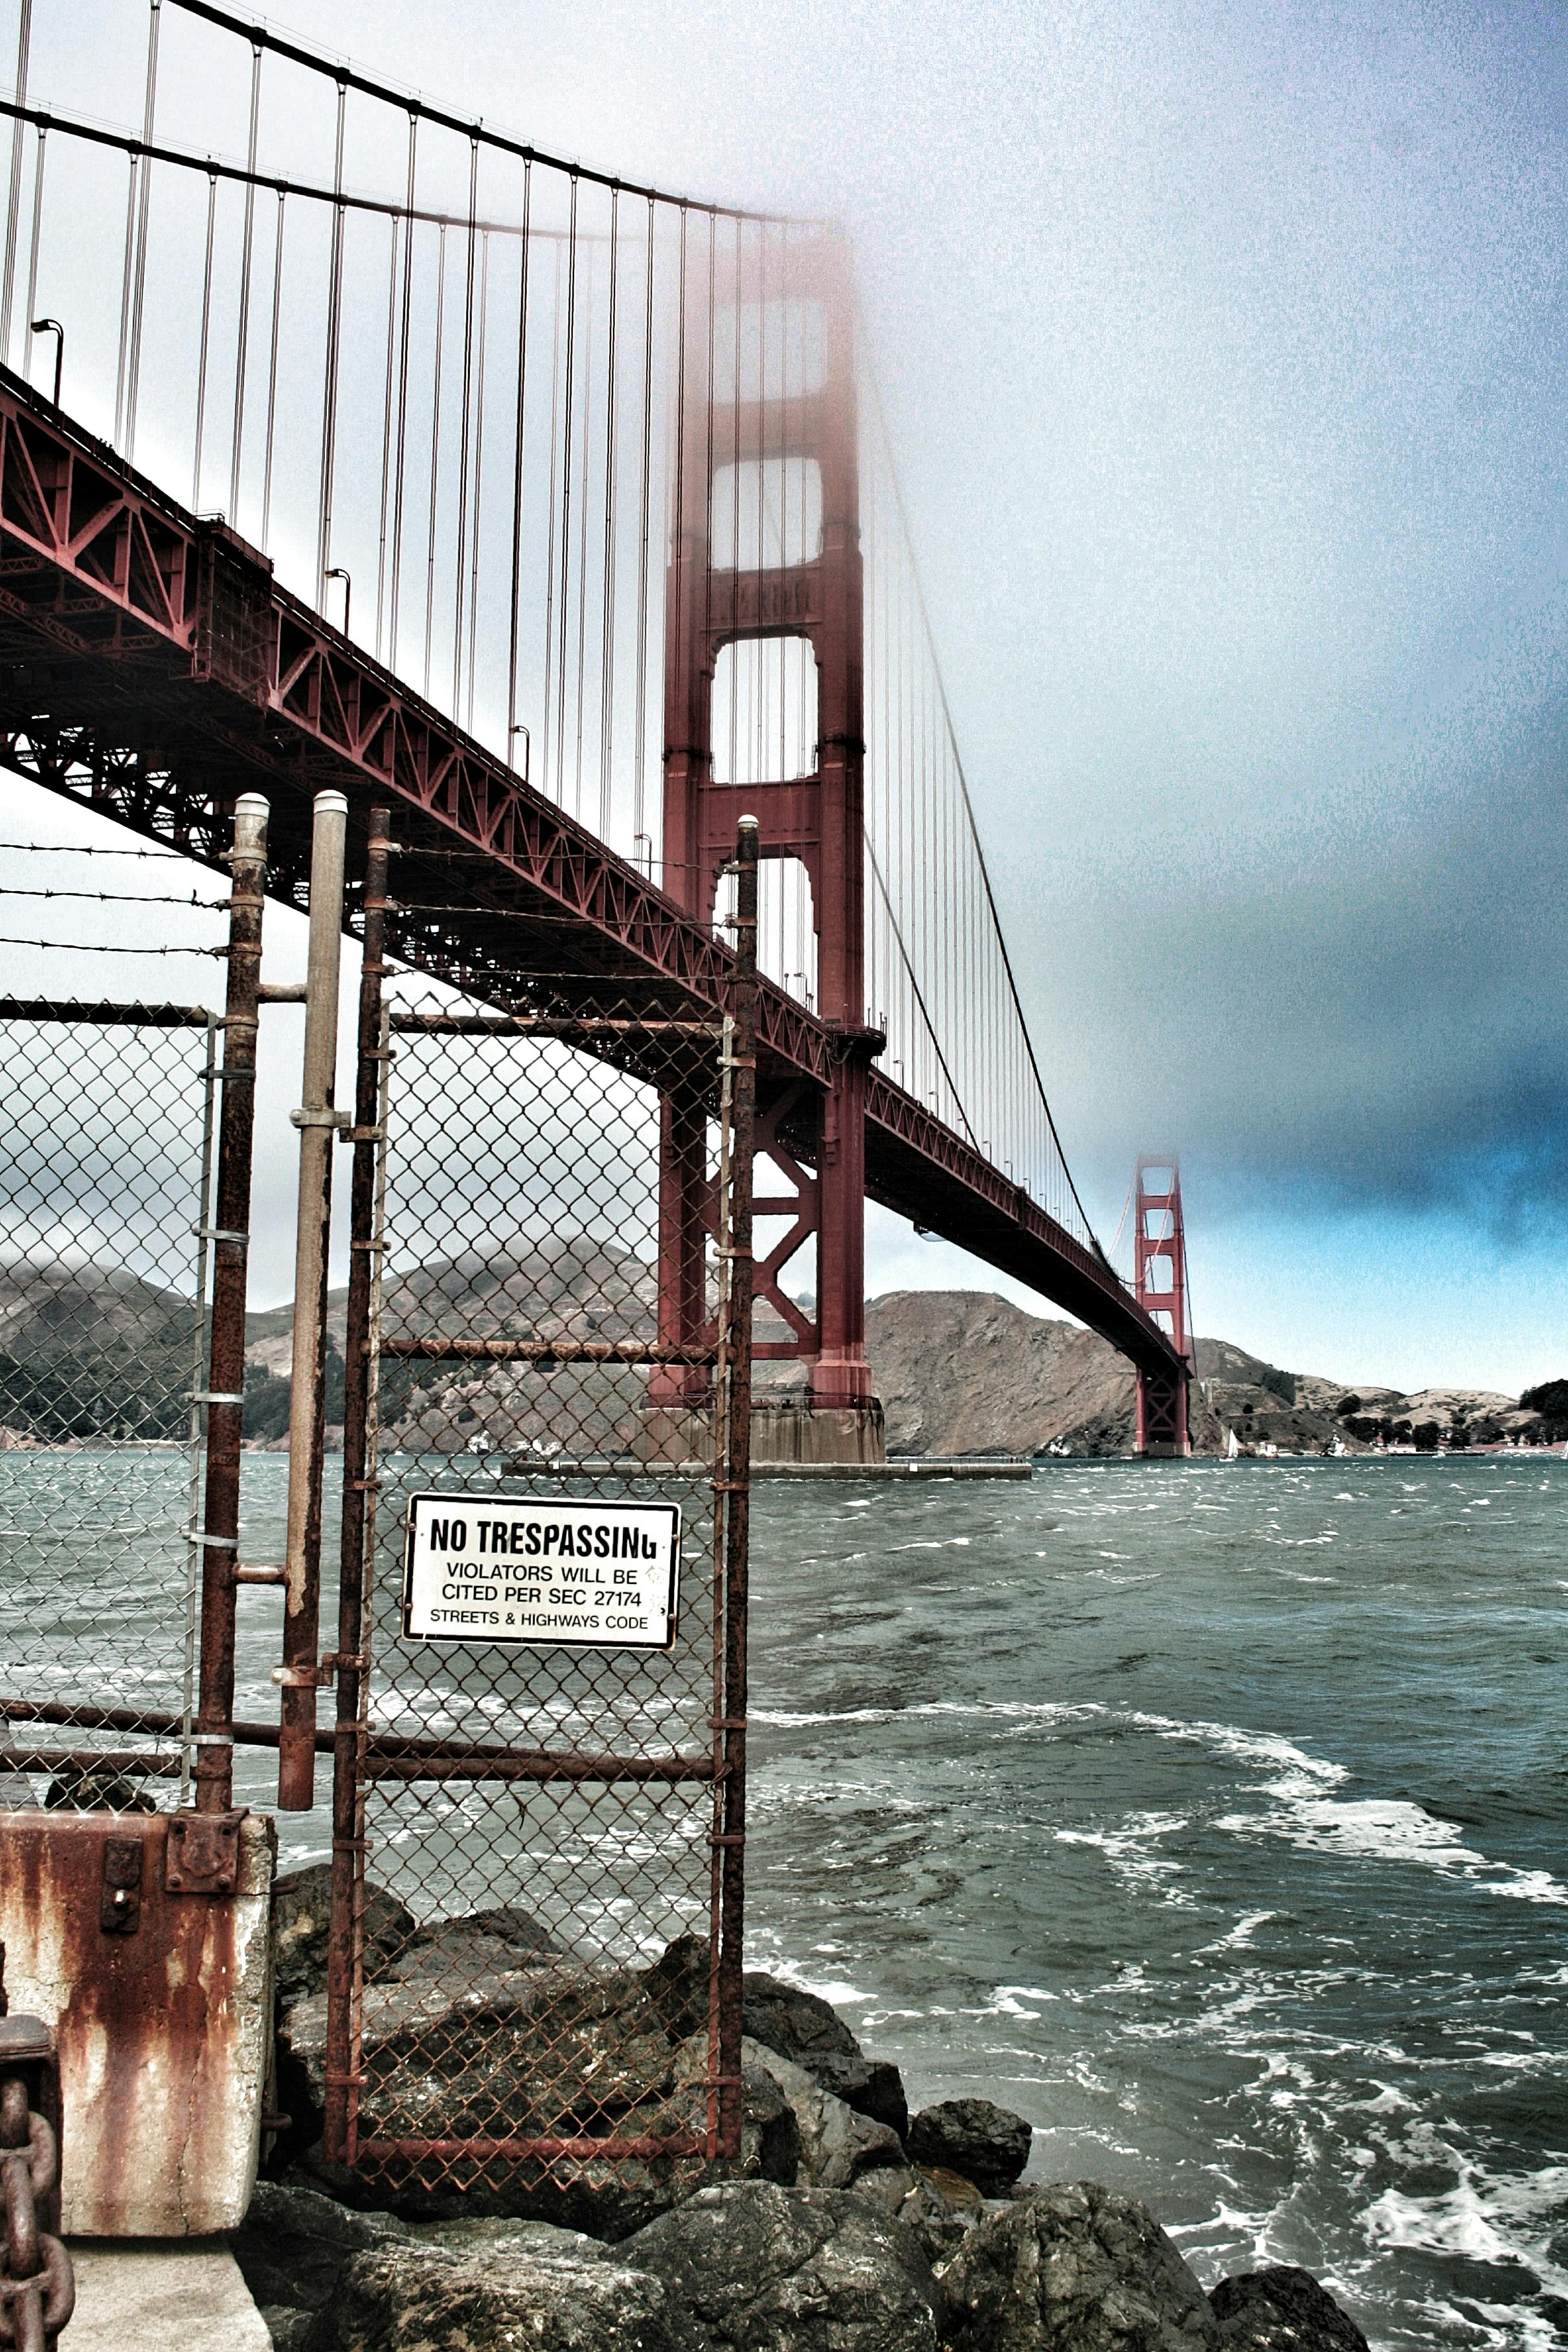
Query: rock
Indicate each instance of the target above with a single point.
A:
(1075, 2268)
(301, 1904)
(763, 2269)
(805, 2029)
(551, 2299)
(982, 2143)
(289, 2327)
(940, 2207)
(770, 2132)
(836, 2146)
(293, 2243)
(677, 1985)
(469, 2034)
(1282, 2309)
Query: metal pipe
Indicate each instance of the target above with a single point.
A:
(317, 1123)
(213, 1771)
(732, 1483)
(344, 1934)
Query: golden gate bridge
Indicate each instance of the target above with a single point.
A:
(347, 443)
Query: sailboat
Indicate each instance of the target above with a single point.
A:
(1232, 1450)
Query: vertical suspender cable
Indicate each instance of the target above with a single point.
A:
(435, 450)
(387, 439)
(144, 210)
(678, 603)
(13, 202)
(334, 332)
(607, 618)
(550, 534)
(36, 229)
(12, 205)
(566, 495)
(272, 374)
(478, 475)
(242, 338)
(205, 344)
(512, 612)
(639, 812)
(459, 566)
(132, 184)
(403, 335)
(582, 534)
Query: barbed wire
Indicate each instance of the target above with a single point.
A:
(120, 898)
(79, 849)
(91, 947)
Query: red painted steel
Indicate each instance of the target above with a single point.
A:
(150, 666)
(1159, 1258)
(818, 818)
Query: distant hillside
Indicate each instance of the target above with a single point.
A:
(964, 1371)
(87, 1352)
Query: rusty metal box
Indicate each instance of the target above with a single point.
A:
(160, 1998)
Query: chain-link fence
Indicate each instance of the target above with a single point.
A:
(106, 1155)
(550, 1781)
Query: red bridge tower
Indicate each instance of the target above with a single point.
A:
(773, 427)
(1160, 1282)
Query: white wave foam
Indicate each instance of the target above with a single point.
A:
(1387, 1828)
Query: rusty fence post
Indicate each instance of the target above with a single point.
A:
(344, 1957)
(732, 1466)
(317, 1123)
(224, 1395)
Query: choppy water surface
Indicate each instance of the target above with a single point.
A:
(1212, 1816)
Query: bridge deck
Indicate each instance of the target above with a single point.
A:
(150, 666)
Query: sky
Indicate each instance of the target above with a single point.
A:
(1222, 351)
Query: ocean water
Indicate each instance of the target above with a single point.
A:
(1212, 1815)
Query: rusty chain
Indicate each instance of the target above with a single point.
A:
(37, 2288)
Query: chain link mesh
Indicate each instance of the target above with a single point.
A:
(544, 1823)
(105, 1163)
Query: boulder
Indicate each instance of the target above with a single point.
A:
(940, 2207)
(468, 2034)
(1075, 2268)
(982, 2143)
(301, 1905)
(835, 2145)
(771, 2131)
(677, 1985)
(808, 2031)
(757, 2268)
(551, 2298)
(292, 2246)
(1282, 2309)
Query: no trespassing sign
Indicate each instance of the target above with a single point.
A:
(501, 1568)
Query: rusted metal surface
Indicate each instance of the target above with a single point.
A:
(346, 1925)
(317, 1123)
(214, 1769)
(162, 2020)
(38, 2286)
(732, 1491)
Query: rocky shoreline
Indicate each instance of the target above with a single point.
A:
(848, 2224)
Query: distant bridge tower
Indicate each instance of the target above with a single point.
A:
(747, 449)
(1160, 1282)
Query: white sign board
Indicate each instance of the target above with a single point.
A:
(501, 1568)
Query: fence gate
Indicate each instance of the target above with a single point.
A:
(105, 1195)
(539, 1788)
